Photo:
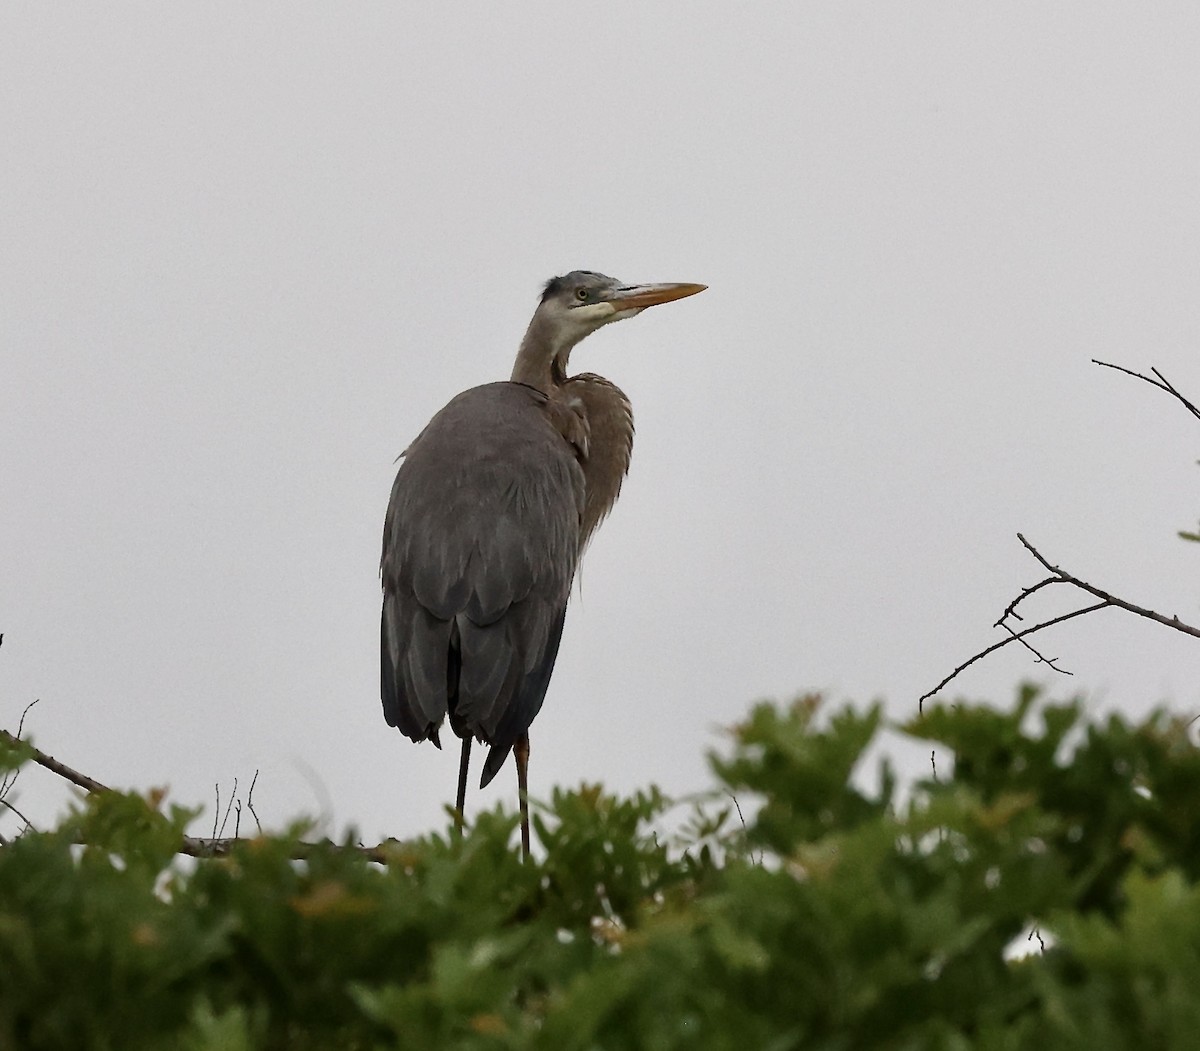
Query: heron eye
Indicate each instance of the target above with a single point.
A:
(581, 294)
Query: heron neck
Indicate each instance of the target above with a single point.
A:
(543, 356)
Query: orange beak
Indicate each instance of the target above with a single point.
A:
(637, 297)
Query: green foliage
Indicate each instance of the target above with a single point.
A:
(845, 913)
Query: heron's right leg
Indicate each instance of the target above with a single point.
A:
(521, 754)
(463, 764)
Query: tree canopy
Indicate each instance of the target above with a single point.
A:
(1039, 885)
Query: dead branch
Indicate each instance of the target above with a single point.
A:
(1058, 575)
(10, 779)
(88, 784)
(250, 802)
(1162, 383)
(1061, 575)
(228, 808)
(8, 806)
(192, 846)
(205, 847)
(1158, 380)
(1014, 637)
(1039, 657)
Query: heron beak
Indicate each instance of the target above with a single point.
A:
(638, 297)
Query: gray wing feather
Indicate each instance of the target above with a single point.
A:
(515, 721)
(489, 669)
(425, 666)
(395, 630)
(480, 546)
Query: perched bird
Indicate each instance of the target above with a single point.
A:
(490, 512)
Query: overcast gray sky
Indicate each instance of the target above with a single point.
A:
(246, 251)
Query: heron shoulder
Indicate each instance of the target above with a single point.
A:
(487, 474)
(609, 420)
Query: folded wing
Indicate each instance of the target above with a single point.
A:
(480, 547)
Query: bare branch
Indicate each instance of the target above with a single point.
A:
(203, 847)
(89, 784)
(1111, 600)
(7, 780)
(1058, 575)
(1011, 609)
(8, 806)
(250, 802)
(25, 712)
(738, 807)
(1050, 662)
(10, 779)
(1016, 636)
(192, 846)
(1160, 381)
(228, 808)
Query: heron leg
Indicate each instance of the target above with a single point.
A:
(521, 752)
(460, 805)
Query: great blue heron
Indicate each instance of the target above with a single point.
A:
(490, 511)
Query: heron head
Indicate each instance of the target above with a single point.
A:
(574, 306)
(578, 303)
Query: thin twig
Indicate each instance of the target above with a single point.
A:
(1160, 381)
(25, 712)
(250, 802)
(738, 807)
(228, 808)
(8, 806)
(745, 829)
(7, 781)
(1011, 609)
(1015, 637)
(10, 779)
(1050, 662)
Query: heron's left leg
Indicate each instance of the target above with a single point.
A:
(461, 804)
(521, 752)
